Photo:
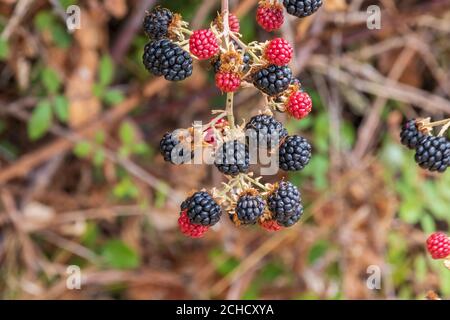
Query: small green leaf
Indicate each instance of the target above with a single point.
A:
(112, 97)
(141, 148)
(126, 134)
(98, 90)
(43, 20)
(125, 189)
(60, 36)
(118, 255)
(317, 251)
(99, 157)
(106, 70)
(61, 106)
(4, 49)
(40, 121)
(82, 149)
(51, 80)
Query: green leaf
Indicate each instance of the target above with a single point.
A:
(4, 49)
(118, 255)
(51, 80)
(141, 148)
(106, 70)
(82, 149)
(99, 157)
(40, 121)
(112, 97)
(61, 106)
(98, 90)
(60, 36)
(317, 251)
(43, 20)
(125, 189)
(126, 134)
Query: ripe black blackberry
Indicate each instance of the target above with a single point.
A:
(264, 128)
(165, 58)
(410, 134)
(157, 22)
(294, 153)
(273, 79)
(249, 207)
(433, 153)
(232, 158)
(284, 200)
(182, 154)
(292, 219)
(202, 209)
(302, 8)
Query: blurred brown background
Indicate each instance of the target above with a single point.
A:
(82, 182)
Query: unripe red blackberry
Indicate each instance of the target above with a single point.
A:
(228, 81)
(203, 44)
(438, 245)
(294, 153)
(278, 52)
(272, 80)
(302, 8)
(270, 225)
(299, 104)
(433, 153)
(188, 228)
(265, 131)
(157, 22)
(232, 158)
(233, 23)
(269, 16)
(410, 134)
(202, 209)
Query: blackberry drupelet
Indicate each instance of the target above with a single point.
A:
(410, 134)
(202, 209)
(264, 128)
(293, 219)
(302, 8)
(273, 79)
(433, 153)
(249, 208)
(294, 153)
(181, 153)
(232, 158)
(284, 201)
(163, 57)
(156, 23)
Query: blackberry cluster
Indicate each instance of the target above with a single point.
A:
(232, 158)
(302, 8)
(284, 201)
(410, 134)
(249, 208)
(202, 209)
(433, 153)
(294, 153)
(273, 80)
(168, 143)
(264, 128)
(157, 22)
(165, 58)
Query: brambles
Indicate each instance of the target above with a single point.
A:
(294, 153)
(431, 152)
(273, 80)
(264, 66)
(269, 15)
(302, 8)
(438, 245)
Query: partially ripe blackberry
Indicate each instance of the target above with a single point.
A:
(410, 134)
(180, 155)
(284, 201)
(272, 80)
(294, 153)
(293, 219)
(264, 128)
(163, 57)
(232, 158)
(156, 23)
(302, 8)
(249, 207)
(202, 209)
(433, 153)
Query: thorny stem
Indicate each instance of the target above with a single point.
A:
(438, 123)
(229, 109)
(444, 129)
